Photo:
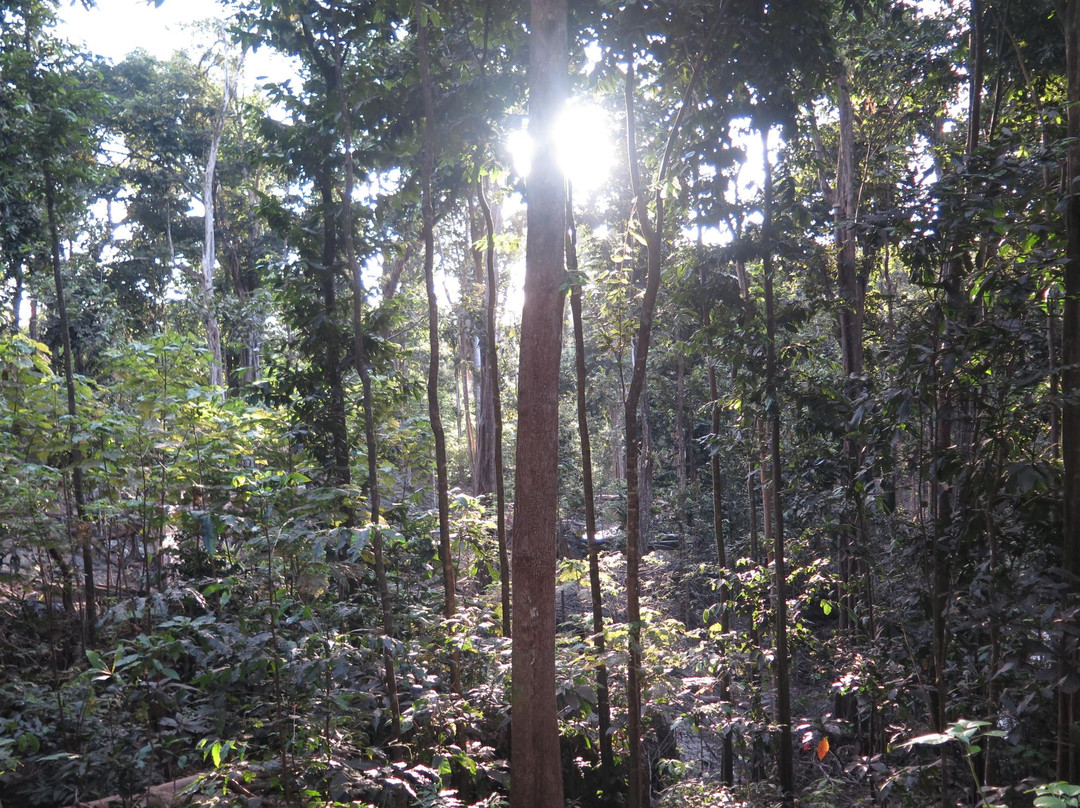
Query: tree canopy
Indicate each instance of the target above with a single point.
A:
(306, 498)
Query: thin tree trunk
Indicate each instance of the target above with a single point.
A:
(434, 414)
(645, 474)
(681, 475)
(945, 414)
(727, 763)
(337, 424)
(1068, 757)
(638, 789)
(360, 360)
(727, 760)
(464, 360)
(852, 294)
(206, 277)
(493, 403)
(17, 297)
(637, 786)
(975, 66)
(785, 766)
(603, 704)
(483, 472)
(535, 759)
(82, 529)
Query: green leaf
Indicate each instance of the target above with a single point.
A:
(933, 739)
(1047, 801)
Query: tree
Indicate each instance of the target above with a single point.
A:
(785, 765)
(603, 698)
(1068, 758)
(535, 758)
(209, 252)
(493, 402)
(57, 118)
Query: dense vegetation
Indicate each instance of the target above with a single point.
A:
(818, 447)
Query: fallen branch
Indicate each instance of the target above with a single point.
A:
(159, 796)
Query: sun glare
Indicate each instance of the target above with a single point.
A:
(586, 153)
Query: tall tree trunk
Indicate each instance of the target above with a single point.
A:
(638, 783)
(493, 404)
(535, 759)
(645, 474)
(483, 477)
(637, 786)
(681, 475)
(727, 763)
(851, 286)
(82, 528)
(947, 406)
(852, 296)
(785, 767)
(464, 362)
(360, 361)
(976, 49)
(603, 704)
(1068, 758)
(17, 297)
(336, 422)
(206, 277)
(434, 414)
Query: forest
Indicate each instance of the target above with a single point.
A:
(658, 403)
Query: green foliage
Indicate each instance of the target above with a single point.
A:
(1057, 795)
(238, 633)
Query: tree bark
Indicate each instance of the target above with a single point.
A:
(652, 232)
(1068, 757)
(535, 761)
(336, 422)
(603, 703)
(785, 765)
(206, 277)
(360, 361)
(483, 471)
(637, 786)
(434, 413)
(852, 293)
(493, 404)
(681, 474)
(82, 527)
(727, 763)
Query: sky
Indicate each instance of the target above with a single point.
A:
(115, 28)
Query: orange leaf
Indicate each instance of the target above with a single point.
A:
(822, 748)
